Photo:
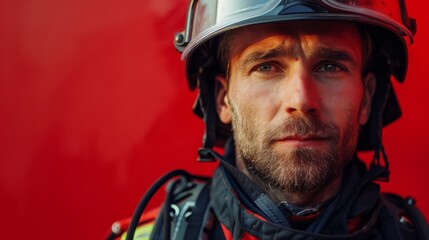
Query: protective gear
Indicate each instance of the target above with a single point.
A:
(230, 206)
(236, 207)
(387, 21)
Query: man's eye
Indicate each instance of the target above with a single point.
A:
(330, 68)
(264, 68)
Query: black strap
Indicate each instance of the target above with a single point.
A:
(147, 197)
(216, 232)
(192, 204)
(199, 213)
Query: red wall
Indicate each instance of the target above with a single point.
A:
(94, 107)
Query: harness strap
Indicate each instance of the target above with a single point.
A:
(198, 215)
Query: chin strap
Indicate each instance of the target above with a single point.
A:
(381, 165)
(209, 137)
(205, 106)
(380, 161)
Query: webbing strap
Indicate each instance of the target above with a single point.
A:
(196, 219)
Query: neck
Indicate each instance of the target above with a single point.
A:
(300, 199)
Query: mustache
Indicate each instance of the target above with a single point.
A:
(303, 126)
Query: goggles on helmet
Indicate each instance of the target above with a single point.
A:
(208, 18)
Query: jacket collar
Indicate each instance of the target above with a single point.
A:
(243, 207)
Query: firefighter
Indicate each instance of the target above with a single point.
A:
(292, 89)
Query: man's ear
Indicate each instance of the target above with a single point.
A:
(369, 84)
(222, 103)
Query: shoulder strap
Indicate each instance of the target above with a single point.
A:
(186, 213)
(198, 215)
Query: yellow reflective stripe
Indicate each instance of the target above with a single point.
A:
(142, 232)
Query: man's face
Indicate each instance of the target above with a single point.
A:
(296, 98)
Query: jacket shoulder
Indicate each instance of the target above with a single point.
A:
(410, 220)
(184, 211)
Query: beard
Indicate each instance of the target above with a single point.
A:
(294, 169)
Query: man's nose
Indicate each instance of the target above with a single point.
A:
(301, 93)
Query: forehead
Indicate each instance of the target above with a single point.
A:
(300, 37)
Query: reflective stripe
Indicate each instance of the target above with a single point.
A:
(142, 232)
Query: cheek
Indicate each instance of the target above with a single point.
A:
(257, 101)
(339, 102)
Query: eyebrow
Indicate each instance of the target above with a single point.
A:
(279, 51)
(331, 54)
(265, 54)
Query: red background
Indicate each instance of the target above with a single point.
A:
(94, 107)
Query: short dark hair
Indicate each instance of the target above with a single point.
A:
(224, 48)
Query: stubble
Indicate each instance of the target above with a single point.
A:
(293, 170)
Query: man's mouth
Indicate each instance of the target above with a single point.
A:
(302, 140)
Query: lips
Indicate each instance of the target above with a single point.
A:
(302, 140)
